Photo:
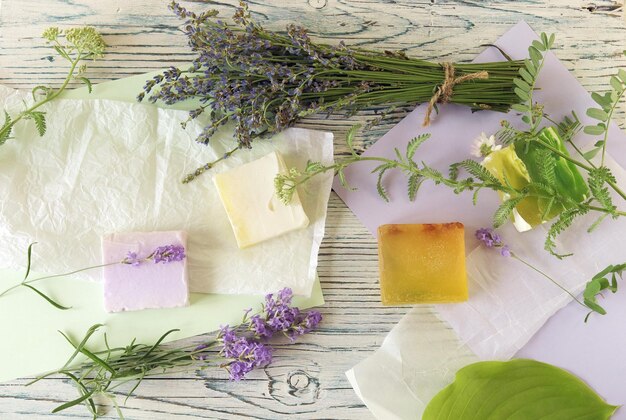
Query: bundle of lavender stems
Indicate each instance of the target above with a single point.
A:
(266, 81)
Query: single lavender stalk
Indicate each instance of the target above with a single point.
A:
(491, 239)
(239, 350)
(163, 254)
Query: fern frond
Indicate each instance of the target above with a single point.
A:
(565, 220)
(505, 211)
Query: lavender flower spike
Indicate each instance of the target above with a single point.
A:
(168, 253)
(492, 240)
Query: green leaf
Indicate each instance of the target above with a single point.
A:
(382, 192)
(594, 130)
(5, 131)
(523, 95)
(520, 107)
(50, 301)
(350, 137)
(535, 55)
(74, 402)
(597, 114)
(616, 84)
(503, 213)
(540, 46)
(592, 153)
(517, 389)
(603, 101)
(45, 89)
(526, 76)
(544, 39)
(414, 144)
(40, 121)
(599, 283)
(621, 73)
(415, 180)
(520, 83)
(87, 82)
(551, 40)
(479, 171)
(28, 259)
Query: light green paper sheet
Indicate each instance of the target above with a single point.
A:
(31, 343)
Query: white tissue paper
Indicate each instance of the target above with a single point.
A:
(508, 303)
(106, 166)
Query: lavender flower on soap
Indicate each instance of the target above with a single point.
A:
(239, 350)
(162, 254)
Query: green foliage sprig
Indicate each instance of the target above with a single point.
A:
(598, 284)
(79, 44)
(564, 202)
(26, 282)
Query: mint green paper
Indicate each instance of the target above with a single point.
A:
(29, 326)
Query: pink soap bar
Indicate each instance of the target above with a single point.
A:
(148, 284)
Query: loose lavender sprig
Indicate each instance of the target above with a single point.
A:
(239, 350)
(265, 81)
(490, 239)
(162, 254)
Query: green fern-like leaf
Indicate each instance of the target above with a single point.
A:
(350, 138)
(414, 144)
(7, 126)
(504, 212)
(480, 172)
(432, 174)
(546, 165)
(380, 188)
(597, 185)
(565, 220)
(414, 183)
(40, 121)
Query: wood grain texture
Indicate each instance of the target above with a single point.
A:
(307, 380)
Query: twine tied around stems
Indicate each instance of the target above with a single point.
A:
(444, 91)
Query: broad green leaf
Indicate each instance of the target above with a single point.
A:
(594, 130)
(616, 84)
(621, 73)
(519, 389)
(597, 114)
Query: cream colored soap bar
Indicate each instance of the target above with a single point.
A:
(255, 212)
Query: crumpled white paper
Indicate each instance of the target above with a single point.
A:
(508, 303)
(106, 166)
(418, 358)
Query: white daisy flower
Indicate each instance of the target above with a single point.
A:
(484, 145)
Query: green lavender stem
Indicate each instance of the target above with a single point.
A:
(25, 281)
(547, 277)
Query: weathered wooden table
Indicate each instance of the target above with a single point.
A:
(307, 379)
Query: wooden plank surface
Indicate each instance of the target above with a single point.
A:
(307, 379)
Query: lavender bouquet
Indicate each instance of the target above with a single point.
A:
(265, 81)
(239, 350)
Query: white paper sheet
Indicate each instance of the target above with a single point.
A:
(416, 360)
(106, 166)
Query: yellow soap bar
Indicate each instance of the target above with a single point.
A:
(422, 263)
